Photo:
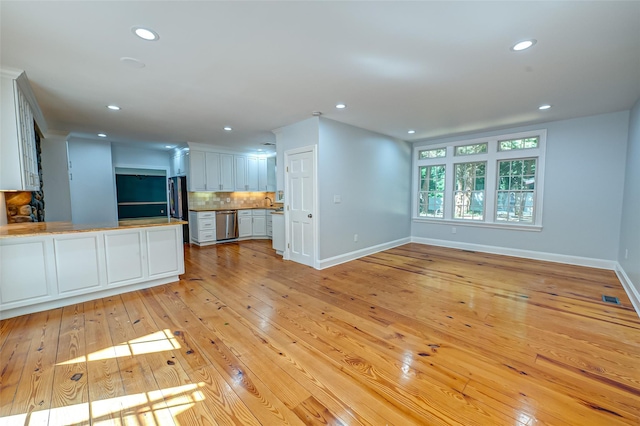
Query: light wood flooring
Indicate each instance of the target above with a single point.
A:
(414, 335)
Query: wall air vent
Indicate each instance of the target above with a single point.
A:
(269, 144)
(610, 299)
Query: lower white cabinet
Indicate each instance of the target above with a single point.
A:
(278, 233)
(259, 225)
(54, 270)
(269, 225)
(245, 223)
(202, 227)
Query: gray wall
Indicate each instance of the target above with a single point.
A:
(298, 135)
(93, 195)
(57, 197)
(582, 196)
(630, 225)
(372, 175)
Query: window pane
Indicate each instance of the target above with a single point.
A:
(515, 195)
(512, 144)
(479, 148)
(431, 196)
(432, 153)
(469, 191)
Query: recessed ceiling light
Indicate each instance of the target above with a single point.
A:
(341, 106)
(113, 107)
(543, 107)
(524, 44)
(102, 135)
(259, 150)
(168, 146)
(227, 128)
(145, 33)
(411, 132)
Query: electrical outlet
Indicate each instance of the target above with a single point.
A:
(453, 230)
(355, 238)
(228, 200)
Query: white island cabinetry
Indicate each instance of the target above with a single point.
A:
(53, 269)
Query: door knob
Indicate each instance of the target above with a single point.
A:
(309, 215)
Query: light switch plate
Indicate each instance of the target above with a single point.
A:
(337, 199)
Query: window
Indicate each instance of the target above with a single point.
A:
(495, 181)
(516, 190)
(478, 148)
(432, 153)
(469, 191)
(431, 194)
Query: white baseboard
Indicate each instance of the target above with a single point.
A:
(632, 291)
(343, 258)
(527, 254)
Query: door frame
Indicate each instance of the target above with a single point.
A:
(286, 255)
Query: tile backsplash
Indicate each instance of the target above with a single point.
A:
(237, 200)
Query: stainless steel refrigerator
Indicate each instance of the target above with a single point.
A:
(179, 202)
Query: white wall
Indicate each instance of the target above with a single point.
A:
(582, 196)
(133, 157)
(92, 187)
(371, 173)
(55, 177)
(630, 224)
(298, 135)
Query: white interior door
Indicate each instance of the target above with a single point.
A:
(300, 181)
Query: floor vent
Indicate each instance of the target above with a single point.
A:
(610, 299)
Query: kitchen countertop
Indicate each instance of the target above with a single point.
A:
(33, 229)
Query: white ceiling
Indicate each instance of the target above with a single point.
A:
(440, 68)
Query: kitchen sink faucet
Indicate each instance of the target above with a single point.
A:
(270, 201)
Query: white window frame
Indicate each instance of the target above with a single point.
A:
(491, 157)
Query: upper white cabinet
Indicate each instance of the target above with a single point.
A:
(180, 163)
(210, 171)
(19, 113)
(216, 171)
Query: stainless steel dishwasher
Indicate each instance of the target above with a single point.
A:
(226, 225)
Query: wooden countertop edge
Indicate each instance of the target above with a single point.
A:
(23, 230)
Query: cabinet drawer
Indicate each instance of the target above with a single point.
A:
(206, 236)
(206, 215)
(206, 224)
(244, 212)
(259, 212)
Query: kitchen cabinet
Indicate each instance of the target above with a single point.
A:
(278, 240)
(245, 224)
(52, 270)
(180, 163)
(210, 171)
(271, 174)
(269, 225)
(202, 227)
(241, 164)
(19, 113)
(259, 223)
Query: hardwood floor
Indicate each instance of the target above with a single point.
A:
(413, 335)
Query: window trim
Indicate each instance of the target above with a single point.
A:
(492, 157)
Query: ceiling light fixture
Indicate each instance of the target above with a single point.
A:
(102, 135)
(145, 33)
(543, 107)
(411, 132)
(113, 107)
(524, 44)
(227, 128)
(341, 106)
(168, 146)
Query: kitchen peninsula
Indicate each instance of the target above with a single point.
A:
(46, 265)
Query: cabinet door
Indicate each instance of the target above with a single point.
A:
(227, 178)
(164, 245)
(197, 171)
(241, 172)
(244, 226)
(262, 174)
(278, 233)
(124, 257)
(175, 165)
(253, 183)
(271, 174)
(259, 226)
(212, 171)
(24, 274)
(79, 263)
